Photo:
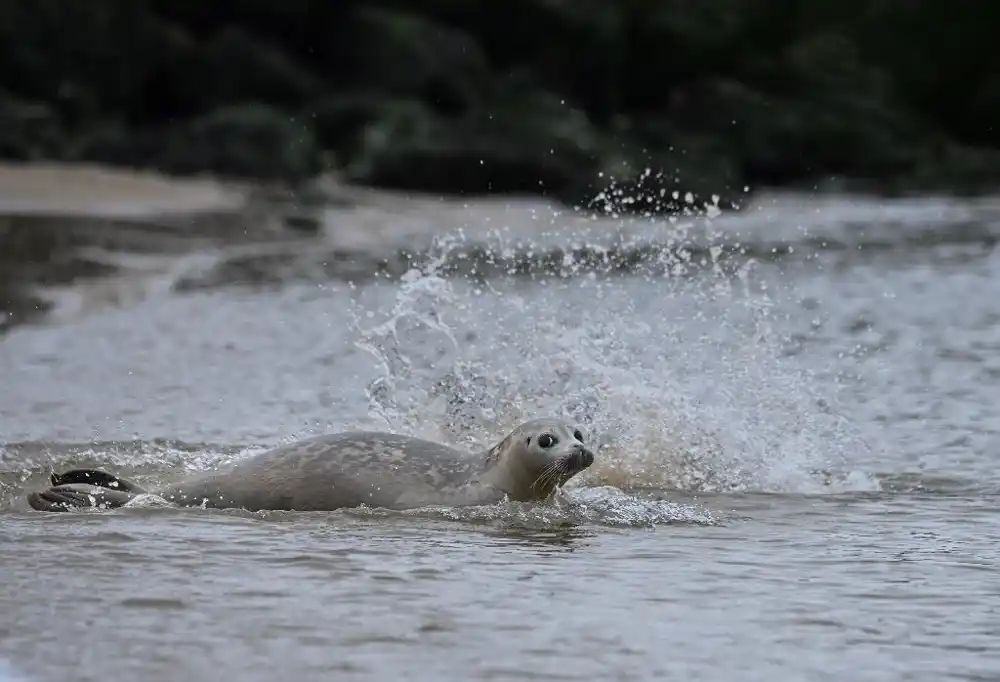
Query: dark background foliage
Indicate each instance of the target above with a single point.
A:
(549, 96)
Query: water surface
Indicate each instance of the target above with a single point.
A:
(794, 412)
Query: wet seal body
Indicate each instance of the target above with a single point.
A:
(353, 469)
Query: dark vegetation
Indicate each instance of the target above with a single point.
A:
(541, 96)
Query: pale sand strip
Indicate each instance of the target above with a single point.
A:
(94, 191)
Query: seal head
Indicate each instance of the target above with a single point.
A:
(536, 458)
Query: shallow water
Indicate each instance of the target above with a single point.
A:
(796, 441)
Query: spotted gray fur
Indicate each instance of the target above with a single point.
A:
(353, 469)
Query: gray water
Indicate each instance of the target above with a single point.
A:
(794, 410)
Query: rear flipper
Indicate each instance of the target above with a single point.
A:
(79, 488)
(97, 478)
(77, 495)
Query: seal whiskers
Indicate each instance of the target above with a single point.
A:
(549, 476)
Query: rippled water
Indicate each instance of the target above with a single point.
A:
(794, 411)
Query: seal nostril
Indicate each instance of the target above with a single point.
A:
(582, 458)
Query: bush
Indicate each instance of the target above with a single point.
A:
(28, 130)
(244, 141)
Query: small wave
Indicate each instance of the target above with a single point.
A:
(603, 506)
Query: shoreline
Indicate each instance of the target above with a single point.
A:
(59, 222)
(109, 230)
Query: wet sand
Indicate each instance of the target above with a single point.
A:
(77, 238)
(63, 225)
(95, 191)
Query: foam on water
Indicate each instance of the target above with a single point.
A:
(602, 505)
(686, 390)
(599, 505)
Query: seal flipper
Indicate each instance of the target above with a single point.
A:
(95, 477)
(77, 495)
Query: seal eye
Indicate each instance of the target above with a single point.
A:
(578, 435)
(546, 441)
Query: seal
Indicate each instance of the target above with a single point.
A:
(352, 469)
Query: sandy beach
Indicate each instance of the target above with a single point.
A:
(95, 191)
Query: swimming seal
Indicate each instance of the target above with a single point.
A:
(353, 469)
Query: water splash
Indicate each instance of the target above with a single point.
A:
(602, 506)
(572, 508)
(677, 373)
